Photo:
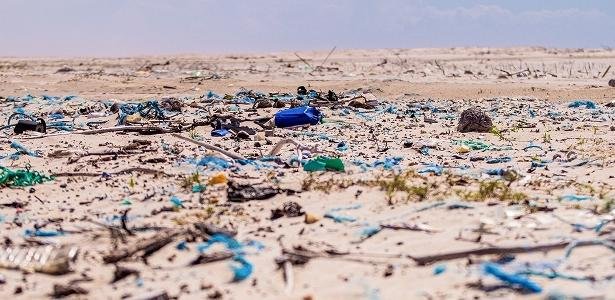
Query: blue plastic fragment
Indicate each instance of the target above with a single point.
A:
(342, 146)
(42, 233)
(341, 218)
(573, 197)
(532, 146)
(386, 163)
(439, 269)
(297, 116)
(219, 132)
(242, 270)
(176, 201)
(182, 246)
(498, 172)
(432, 168)
(241, 267)
(369, 231)
(511, 279)
(578, 103)
(499, 160)
(57, 115)
(21, 149)
(214, 162)
(537, 164)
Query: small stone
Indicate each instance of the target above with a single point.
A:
(389, 270)
(612, 83)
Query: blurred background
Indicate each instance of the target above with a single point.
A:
(150, 27)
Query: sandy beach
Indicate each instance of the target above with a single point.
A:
(130, 181)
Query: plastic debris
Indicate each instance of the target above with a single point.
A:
(324, 164)
(338, 218)
(21, 149)
(432, 168)
(52, 260)
(475, 145)
(573, 197)
(214, 163)
(511, 279)
(499, 160)
(297, 116)
(439, 269)
(21, 178)
(242, 268)
(42, 233)
(176, 201)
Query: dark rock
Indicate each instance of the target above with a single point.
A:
(61, 291)
(289, 209)
(474, 120)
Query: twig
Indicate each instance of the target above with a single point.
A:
(326, 58)
(439, 67)
(124, 220)
(304, 61)
(606, 72)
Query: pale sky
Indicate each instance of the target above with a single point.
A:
(133, 27)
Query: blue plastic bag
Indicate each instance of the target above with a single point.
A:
(297, 116)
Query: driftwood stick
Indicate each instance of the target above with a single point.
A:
(147, 129)
(429, 259)
(148, 246)
(209, 147)
(212, 257)
(125, 171)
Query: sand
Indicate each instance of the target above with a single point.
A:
(420, 94)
